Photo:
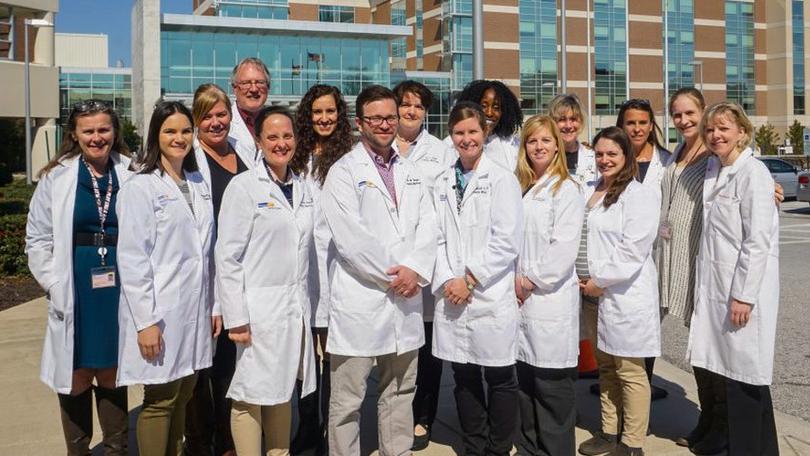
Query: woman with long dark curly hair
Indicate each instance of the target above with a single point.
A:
(324, 133)
(504, 118)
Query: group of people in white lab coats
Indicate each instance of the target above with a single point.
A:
(251, 255)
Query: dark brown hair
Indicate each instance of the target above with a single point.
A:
(642, 105)
(416, 88)
(628, 171)
(332, 148)
(70, 147)
(151, 159)
(464, 110)
(300, 159)
(370, 94)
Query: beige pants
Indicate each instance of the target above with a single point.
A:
(395, 389)
(248, 421)
(163, 417)
(625, 391)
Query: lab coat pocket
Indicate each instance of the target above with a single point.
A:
(727, 208)
(56, 302)
(168, 280)
(270, 307)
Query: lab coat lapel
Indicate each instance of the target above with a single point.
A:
(715, 180)
(272, 188)
(298, 192)
(450, 189)
(480, 172)
(174, 190)
(370, 174)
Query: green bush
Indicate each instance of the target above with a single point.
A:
(14, 199)
(13, 261)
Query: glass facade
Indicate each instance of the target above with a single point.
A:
(296, 62)
(332, 13)
(740, 82)
(439, 84)
(457, 40)
(115, 88)
(798, 57)
(420, 36)
(538, 54)
(399, 46)
(610, 55)
(254, 9)
(681, 41)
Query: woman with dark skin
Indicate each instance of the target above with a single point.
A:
(324, 134)
(503, 119)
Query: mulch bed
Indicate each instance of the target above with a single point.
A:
(18, 290)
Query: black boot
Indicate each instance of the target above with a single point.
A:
(308, 433)
(77, 422)
(113, 415)
(716, 438)
(705, 392)
(326, 392)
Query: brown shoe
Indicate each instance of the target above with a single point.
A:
(599, 444)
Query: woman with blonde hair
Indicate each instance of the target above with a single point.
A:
(566, 110)
(219, 161)
(547, 291)
(733, 329)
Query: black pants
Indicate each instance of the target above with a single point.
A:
(208, 413)
(428, 382)
(487, 426)
(751, 425)
(548, 411)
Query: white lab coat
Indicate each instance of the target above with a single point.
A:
(202, 163)
(257, 223)
(432, 156)
(485, 238)
(503, 151)
(166, 262)
(548, 336)
(371, 235)
(620, 241)
(49, 246)
(321, 256)
(586, 166)
(738, 259)
(245, 144)
(661, 158)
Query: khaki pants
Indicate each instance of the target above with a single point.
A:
(625, 392)
(396, 389)
(588, 321)
(163, 417)
(249, 420)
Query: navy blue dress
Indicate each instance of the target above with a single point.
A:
(96, 311)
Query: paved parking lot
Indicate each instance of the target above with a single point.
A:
(791, 388)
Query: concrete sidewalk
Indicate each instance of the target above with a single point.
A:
(30, 425)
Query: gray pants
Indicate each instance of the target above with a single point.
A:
(396, 389)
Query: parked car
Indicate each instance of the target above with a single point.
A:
(803, 193)
(784, 174)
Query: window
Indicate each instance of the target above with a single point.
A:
(798, 58)
(255, 9)
(538, 54)
(399, 46)
(681, 40)
(6, 33)
(331, 13)
(740, 83)
(610, 36)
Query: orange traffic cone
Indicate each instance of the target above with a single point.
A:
(586, 365)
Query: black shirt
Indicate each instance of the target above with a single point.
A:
(571, 158)
(642, 170)
(220, 177)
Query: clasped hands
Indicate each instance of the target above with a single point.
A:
(406, 281)
(456, 290)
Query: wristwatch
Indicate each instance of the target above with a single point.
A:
(470, 285)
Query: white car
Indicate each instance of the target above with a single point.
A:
(803, 192)
(784, 174)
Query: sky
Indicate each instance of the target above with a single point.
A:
(110, 17)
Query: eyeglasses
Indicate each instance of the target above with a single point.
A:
(259, 83)
(376, 121)
(90, 105)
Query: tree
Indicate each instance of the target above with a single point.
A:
(796, 135)
(766, 138)
(131, 136)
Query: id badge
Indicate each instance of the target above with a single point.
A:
(103, 277)
(665, 230)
